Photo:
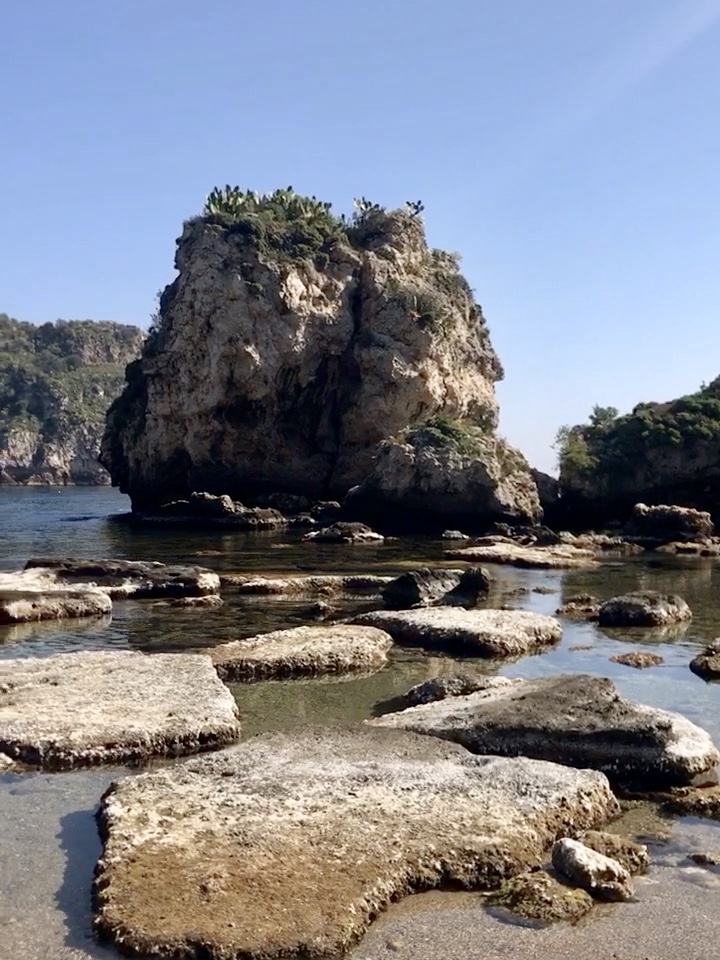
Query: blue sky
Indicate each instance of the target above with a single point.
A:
(570, 150)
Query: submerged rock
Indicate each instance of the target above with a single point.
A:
(640, 659)
(206, 508)
(576, 719)
(540, 896)
(438, 585)
(601, 876)
(646, 608)
(543, 558)
(139, 579)
(80, 709)
(302, 651)
(302, 839)
(583, 606)
(344, 532)
(707, 663)
(479, 633)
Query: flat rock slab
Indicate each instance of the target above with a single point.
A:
(480, 633)
(516, 555)
(80, 709)
(322, 585)
(27, 606)
(139, 579)
(302, 652)
(289, 845)
(577, 719)
(345, 532)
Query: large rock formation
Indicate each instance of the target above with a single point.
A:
(660, 453)
(290, 345)
(56, 383)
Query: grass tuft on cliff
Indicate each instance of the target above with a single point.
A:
(58, 376)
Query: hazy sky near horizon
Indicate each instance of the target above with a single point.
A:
(570, 150)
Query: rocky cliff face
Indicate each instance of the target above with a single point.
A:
(56, 383)
(285, 356)
(659, 453)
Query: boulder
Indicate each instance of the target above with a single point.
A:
(707, 663)
(634, 857)
(601, 876)
(344, 532)
(446, 471)
(479, 633)
(291, 843)
(81, 709)
(301, 652)
(645, 608)
(205, 508)
(517, 555)
(640, 659)
(139, 579)
(665, 523)
(438, 585)
(576, 719)
(542, 897)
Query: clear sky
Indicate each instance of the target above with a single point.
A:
(569, 149)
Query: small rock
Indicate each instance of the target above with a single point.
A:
(645, 608)
(437, 585)
(629, 854)
(438, 688)
(537, 895)
(601, 876)
(190, 602)
(345, 532)
(705, 859)
(583, 606)
(454, 535)
(638, 659)
(707, 663)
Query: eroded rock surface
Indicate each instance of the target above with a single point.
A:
(640, 659)
(80, 709)
(543, 897)
(707, 663)
(667, 522)
(634, 857)
(438, 688)
(290, 844)
(303, 651)
(580, 720)
(601, 876)
(18, 605)
(646, 608)
(480, 633)
(543, 558)
(583, 606)
(438, 585)
(320, 585)
(140, 579)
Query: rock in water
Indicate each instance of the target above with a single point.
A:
(140, 579)
(601, 876)
(479, 633)
(646, 608)
(664, 523)
(281, 361)
(579, 720)
(80, 709)
(542, 558)
(303, 651)
(707, 663)
(290, 844)
(26, 606)
(437, 585)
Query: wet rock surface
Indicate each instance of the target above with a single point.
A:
(480, 633)
(543, 897)
(207, 509)
(576, 719)
(344, 532)
(645, 608)
(20, 605)
(583, 606)
(139, 579)
(320, 585)
(640, 659)
(634, 857)
(707, 663)
(81, 709)
(303, 651)
(438, 688)
(601, 876)
(438, 585)
(289, 844)
(517, 555)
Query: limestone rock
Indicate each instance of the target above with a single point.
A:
(634, 857)
(277, 369)
(140, 579)
(302, 651)
(707, 663)
(195, 603)
(601, 876)
(438, 688)
(19, 605)
(320, 585)
(438, 585)
(479, 633)
(540, 896)
(80, 709)
(583, 606)
(543, 558)
(645, 608)
(666, 523)
(345, 532)
(640, 659)
(575, 719)
(290, 844)
(427, 476)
